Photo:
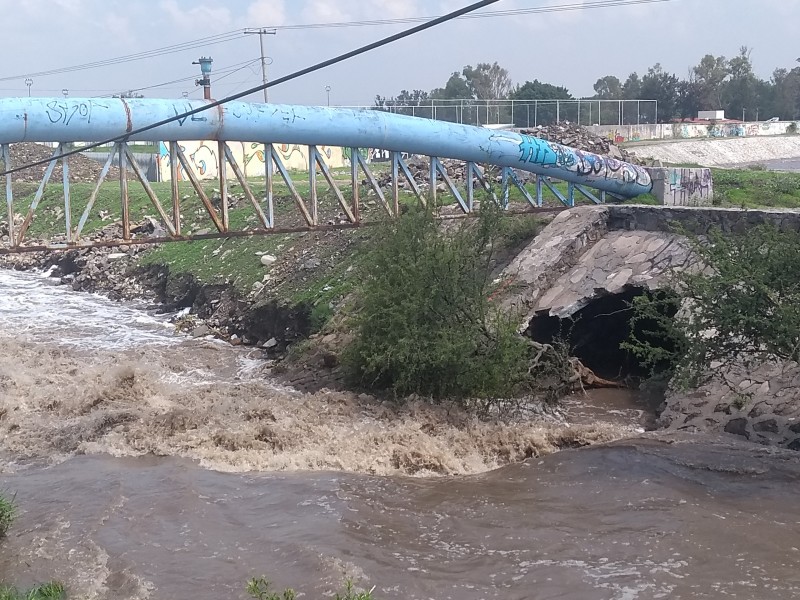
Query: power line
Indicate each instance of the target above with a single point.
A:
(578, 6)
(231, 36)
(182, 47)
(227, 70)
(297, 74)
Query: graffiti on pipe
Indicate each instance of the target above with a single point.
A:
(549, 154)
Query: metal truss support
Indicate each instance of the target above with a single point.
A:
(315, 160)
(38, 197)
(586, 193)
(6, 157)
(357, 161)
(438, 169)
(198, 188)
(400, 166)
(473, 173)
(93, 197)
(270, 157)
(219, 209)
(267, 220)
(510, 177)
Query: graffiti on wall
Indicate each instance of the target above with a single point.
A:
(689, 185)
(592, 166)
(620, 136)
(250, 156)
(203, 157)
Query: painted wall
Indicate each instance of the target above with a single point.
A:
(686, 131)
(682, 187)
(202, 156)
(204, 159)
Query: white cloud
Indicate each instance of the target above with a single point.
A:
(197, 17)
(261, 13)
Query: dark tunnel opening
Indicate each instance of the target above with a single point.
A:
(595, 335)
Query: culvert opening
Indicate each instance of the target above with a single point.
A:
(595, 335)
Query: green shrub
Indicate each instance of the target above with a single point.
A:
(742, 308)
(8, 511)
(48, 591)
(260, 590)
(426, 325)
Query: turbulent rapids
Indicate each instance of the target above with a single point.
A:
(148, 465)
(88, 376)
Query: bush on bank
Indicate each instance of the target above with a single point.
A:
(425, 323)
(741, 308)
(8, 511)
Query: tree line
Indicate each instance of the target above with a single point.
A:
(715, 83)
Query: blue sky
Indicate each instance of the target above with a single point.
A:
(571, 48)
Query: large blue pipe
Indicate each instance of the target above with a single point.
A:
(97, 119)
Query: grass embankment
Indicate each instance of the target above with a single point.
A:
(331, 274)
(756, 188)
(326, 262)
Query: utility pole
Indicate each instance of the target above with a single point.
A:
(261, 33)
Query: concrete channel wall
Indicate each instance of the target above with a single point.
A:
(620, 134)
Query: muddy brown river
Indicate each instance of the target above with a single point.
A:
(146, 465)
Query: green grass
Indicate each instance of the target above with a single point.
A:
(753, 188)
(8, 511)
(47, 591)
(260, 589)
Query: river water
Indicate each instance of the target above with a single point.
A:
(147, 465)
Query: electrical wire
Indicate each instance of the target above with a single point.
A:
(316, 67)
(234, 35)
(227, 70)
(579, 6)
(182, 47)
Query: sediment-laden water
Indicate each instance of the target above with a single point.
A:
(147, 465)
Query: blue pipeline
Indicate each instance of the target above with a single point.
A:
(97, 119)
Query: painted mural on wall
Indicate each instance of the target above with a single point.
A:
(688, 131)
(203, 156)
(585, 164)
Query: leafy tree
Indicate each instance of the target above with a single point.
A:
(659, 85)
(608, 88)
(632, 88)
(786, 93)
(456, 88)
(488, 82)
(741, 308)
(742, 89)
(710, 74)
(689, 97)
(409, 103)
(537, 90)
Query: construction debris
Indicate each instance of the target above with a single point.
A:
(81, 168)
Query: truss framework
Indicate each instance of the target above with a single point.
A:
(217, 210)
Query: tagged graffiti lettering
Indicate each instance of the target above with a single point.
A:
(686, 185)
(64, 112)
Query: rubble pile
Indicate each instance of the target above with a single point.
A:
(81, 168)
(575, 136)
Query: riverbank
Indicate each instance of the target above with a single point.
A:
(720, 153)
(287, 296)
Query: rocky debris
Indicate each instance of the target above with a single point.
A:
(580, 138)
(81, 168)
(760, 404)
